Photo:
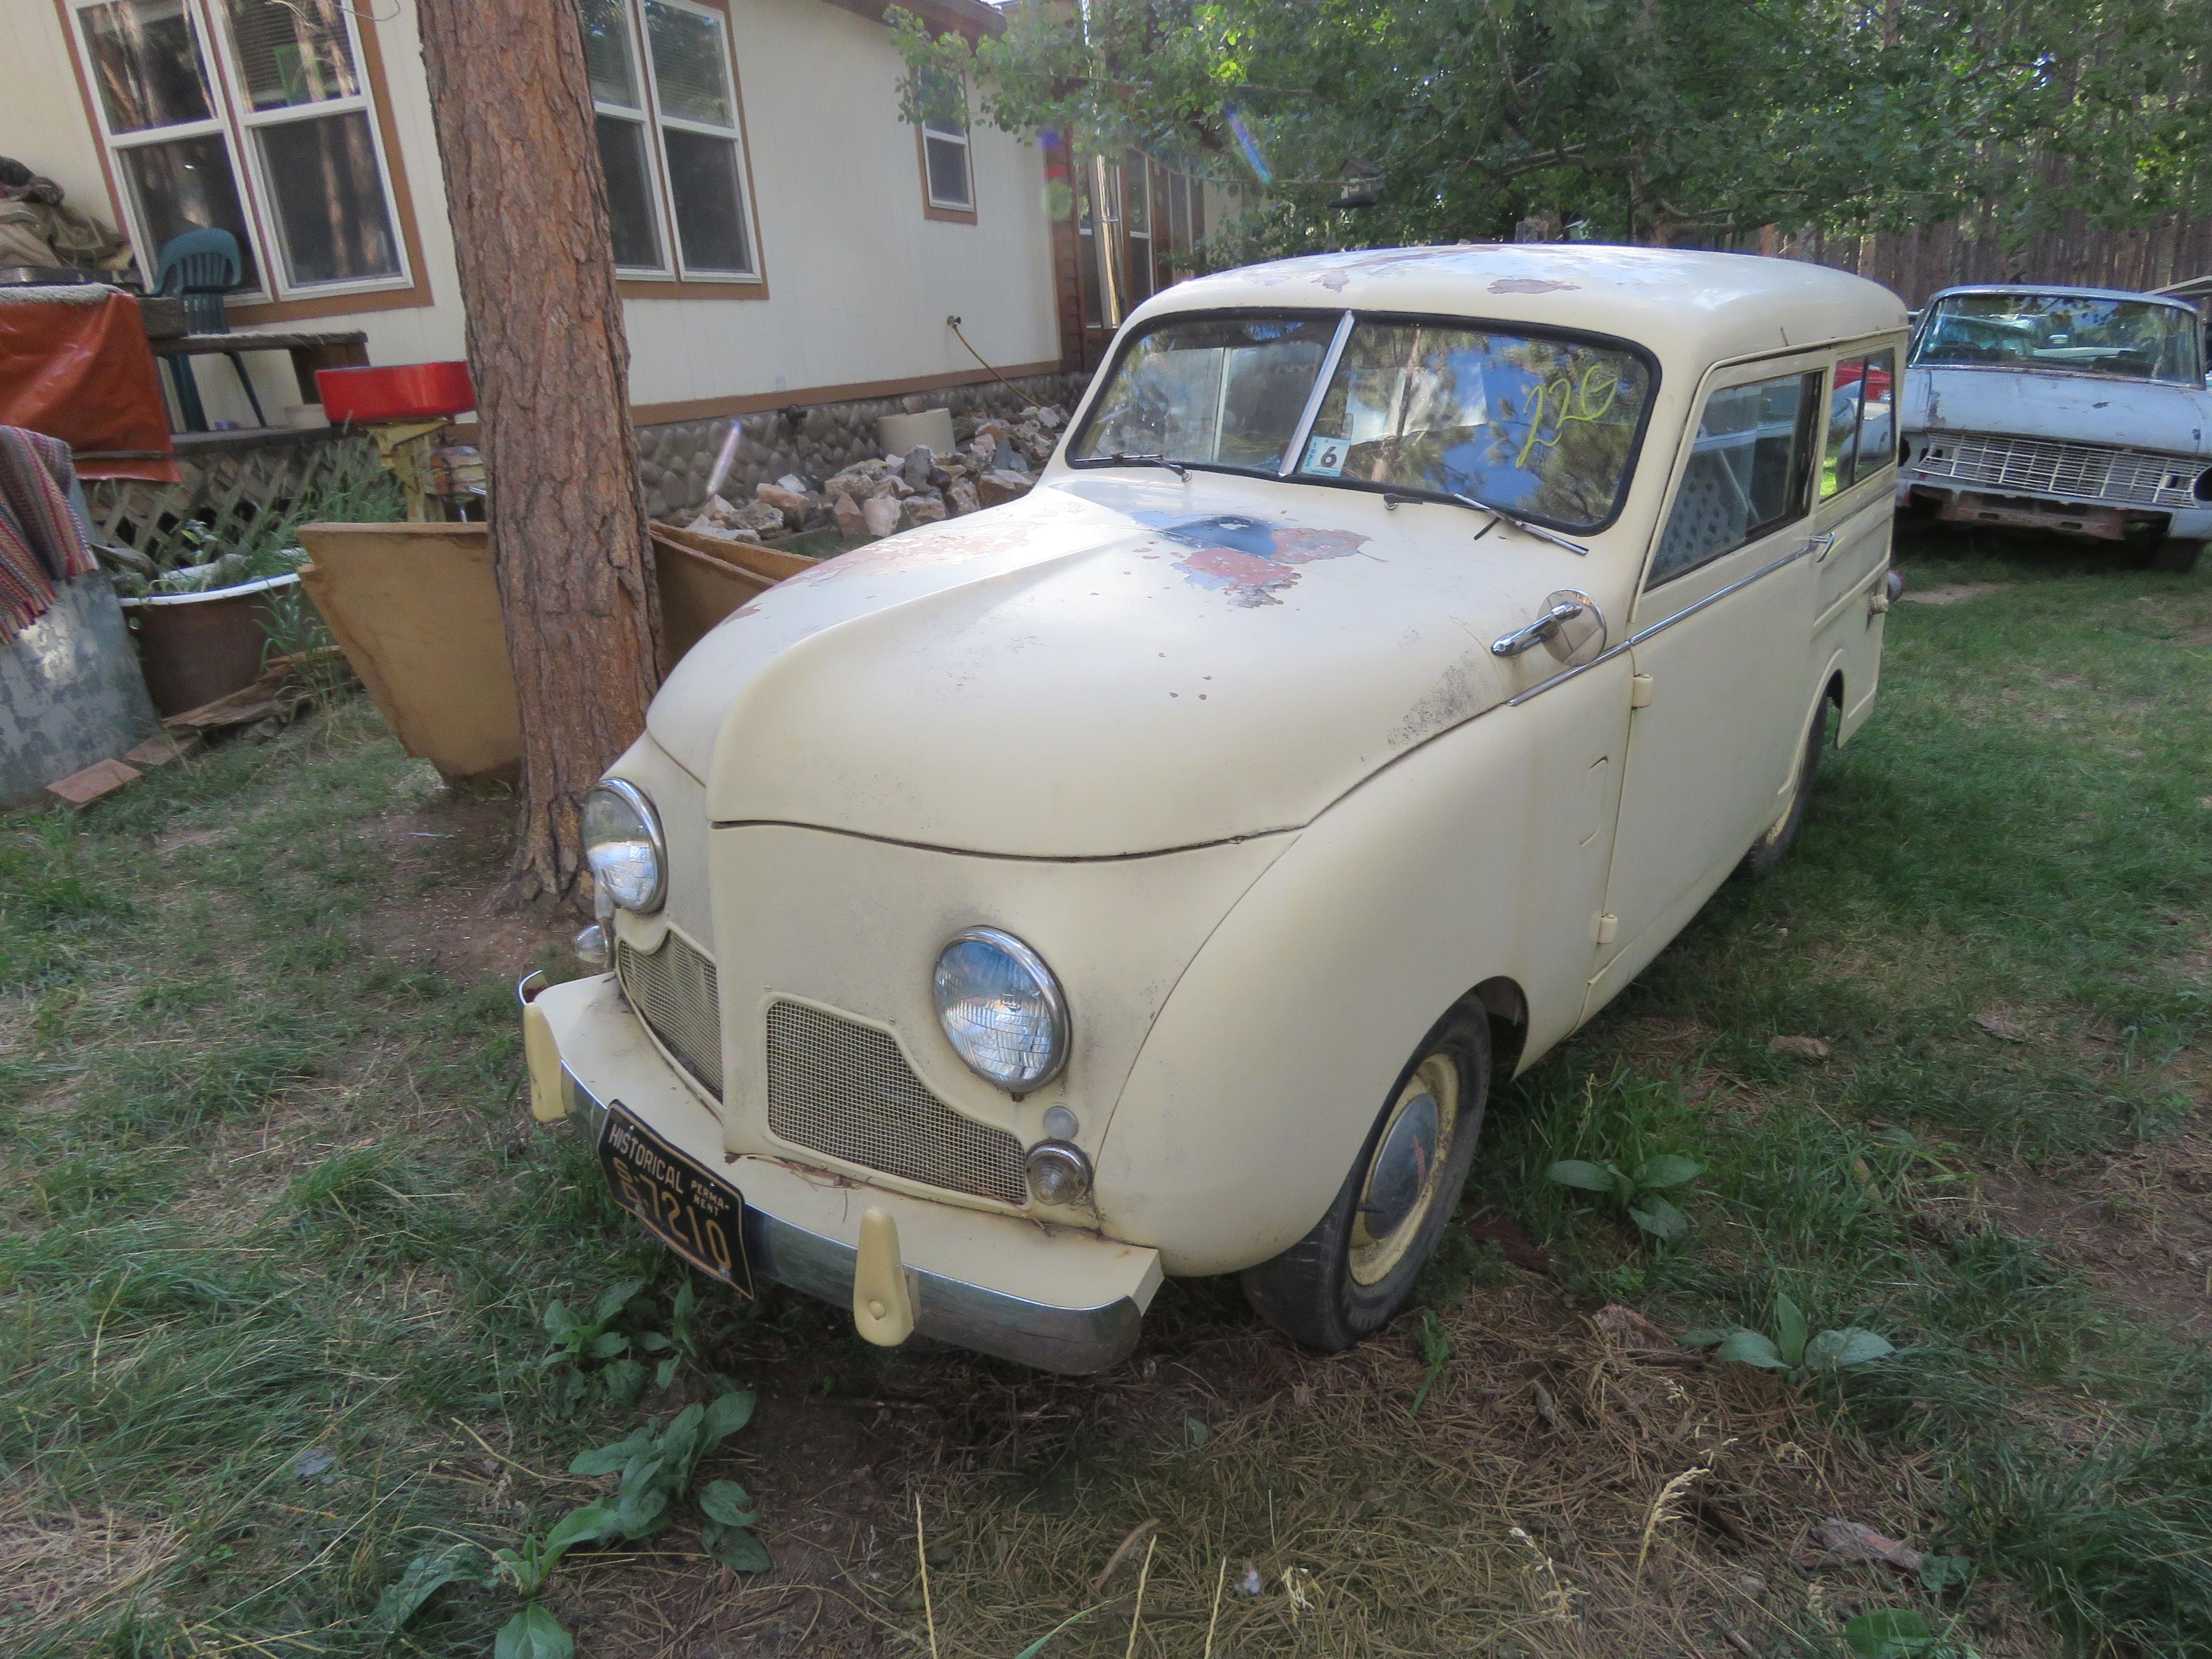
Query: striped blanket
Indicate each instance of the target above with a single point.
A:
(42, 542)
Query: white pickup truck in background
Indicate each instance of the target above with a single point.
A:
(2079, 411)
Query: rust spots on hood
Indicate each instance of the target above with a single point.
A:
(1250, 560)
(1530, 285)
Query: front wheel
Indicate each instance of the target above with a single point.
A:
(1343, 1280)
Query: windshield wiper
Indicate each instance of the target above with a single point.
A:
(1175, 467)
(1393, 499)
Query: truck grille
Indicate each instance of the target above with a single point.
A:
(847, 1091)
(674, 990)
(2086, 472)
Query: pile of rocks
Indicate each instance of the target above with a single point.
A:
(995, 460)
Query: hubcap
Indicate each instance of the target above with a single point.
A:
(1403, 1175)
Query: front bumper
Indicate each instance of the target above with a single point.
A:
(1057, 1298)
(2100, 520)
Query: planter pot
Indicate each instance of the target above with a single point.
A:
(69, 691)
(416, 609)
(196, 648)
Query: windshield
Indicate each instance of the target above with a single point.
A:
(2128, 339)
(1546, 427)
(1225, 392)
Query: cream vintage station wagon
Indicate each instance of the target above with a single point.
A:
(1153, 877)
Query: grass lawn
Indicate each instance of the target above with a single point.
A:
(279, 1241)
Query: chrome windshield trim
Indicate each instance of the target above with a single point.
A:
(1660, 627)
(1312, 410)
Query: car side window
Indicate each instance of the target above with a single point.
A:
(1746, 476)
(1861, 421)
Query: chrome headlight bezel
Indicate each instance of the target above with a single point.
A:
(1047, 991)
(635, 800)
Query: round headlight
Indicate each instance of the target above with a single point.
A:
(623, 846)
(1001, 1009)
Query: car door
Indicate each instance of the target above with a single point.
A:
(1852, 519)
(1720, 638)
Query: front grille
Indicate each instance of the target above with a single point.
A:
(2077, 472)
(673, 991)
(846, 1090)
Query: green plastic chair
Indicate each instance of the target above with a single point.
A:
(199, 268)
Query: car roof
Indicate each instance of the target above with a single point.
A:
(2065, 291)
(1689, 307)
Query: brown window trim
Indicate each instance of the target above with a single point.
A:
(418, 293)
(677, 287)
(702, 408)
(929, 209)
(673, 286)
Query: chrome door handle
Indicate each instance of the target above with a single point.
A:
(1820, 546)
(1525, 638)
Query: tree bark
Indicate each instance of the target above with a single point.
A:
(512, 106)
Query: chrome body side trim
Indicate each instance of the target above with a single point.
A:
(1661, 626)
(1076, 1340)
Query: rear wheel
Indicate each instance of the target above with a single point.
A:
(1343, 1280)
(1770, 848)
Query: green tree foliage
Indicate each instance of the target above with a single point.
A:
(1647, 121)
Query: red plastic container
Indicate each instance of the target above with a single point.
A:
(403, 392)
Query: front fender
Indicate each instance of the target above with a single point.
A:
(1480, 855)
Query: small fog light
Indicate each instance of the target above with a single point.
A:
(592, 948)
(1059, 1173)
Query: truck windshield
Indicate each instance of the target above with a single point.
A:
(2127, 339)
(1543, 426)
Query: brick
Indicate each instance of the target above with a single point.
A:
(80, 789)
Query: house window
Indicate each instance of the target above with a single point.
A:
(1136, 224)
(1137, 220)
(947, 180)
(665, 110)
(248, 115)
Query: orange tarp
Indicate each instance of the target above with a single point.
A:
(80, 370)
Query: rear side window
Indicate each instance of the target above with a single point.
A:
(1746, 472)
(1861, 421)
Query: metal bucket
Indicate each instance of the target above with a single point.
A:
(196, 648)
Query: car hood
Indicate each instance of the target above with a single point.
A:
(2092, 409)
(1105, 668)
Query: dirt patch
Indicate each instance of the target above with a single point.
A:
(1565, 1483)
(1950, 592)
(459, 923)
(2139, 1227)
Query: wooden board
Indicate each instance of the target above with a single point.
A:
(416, 609)
(771, 562)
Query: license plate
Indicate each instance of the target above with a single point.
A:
(687, 1209)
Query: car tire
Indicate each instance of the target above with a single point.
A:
(1340, 1282)
(1770, 848)
(2175, 556)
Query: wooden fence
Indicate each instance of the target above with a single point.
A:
(2173, 248)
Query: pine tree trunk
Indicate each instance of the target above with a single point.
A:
(513, 107)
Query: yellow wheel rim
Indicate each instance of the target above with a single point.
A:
(1398, 1188)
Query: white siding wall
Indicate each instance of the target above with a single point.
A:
(859, 282)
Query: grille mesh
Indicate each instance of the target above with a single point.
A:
(674, 990)
(846, 1090)
(2082, 471)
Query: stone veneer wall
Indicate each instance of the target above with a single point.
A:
(677, 458)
